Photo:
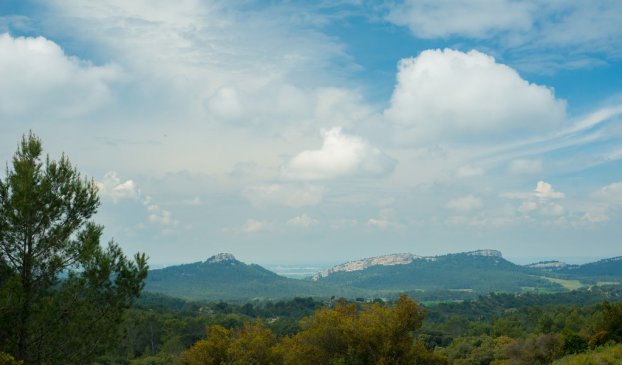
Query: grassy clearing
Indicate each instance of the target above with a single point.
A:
(568, 284)
(601, 283)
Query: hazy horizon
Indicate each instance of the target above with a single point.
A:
(323, 264)
(328, 131)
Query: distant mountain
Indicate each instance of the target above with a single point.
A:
(452, 276)
(479, 271)
(357, 265)
(547, 265)
(606, 270)
(390, 260)
(223, 277)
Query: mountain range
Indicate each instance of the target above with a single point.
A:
(223, 277)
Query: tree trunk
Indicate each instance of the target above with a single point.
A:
(26, 276)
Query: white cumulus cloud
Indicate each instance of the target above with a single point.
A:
(341, 155)
(542, 200)
(545, 191)
(114, 188)
(455, 95)
(111, 186)
(37, 77)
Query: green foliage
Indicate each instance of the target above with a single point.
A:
(574, 343)
(535, 350)
(473, 332)
(161, 325)
(345, 334)
(611, 355)
(376, 334)
(6, 359)
(252, 344)
(611, 322)
(61, 294)
(476, 350)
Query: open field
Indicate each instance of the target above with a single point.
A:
(568, 284)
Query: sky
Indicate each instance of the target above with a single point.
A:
(289, 132)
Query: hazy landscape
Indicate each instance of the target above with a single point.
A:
(448, 277)
(339, 182)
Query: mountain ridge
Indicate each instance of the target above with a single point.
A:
(223, 277)
(393, 259)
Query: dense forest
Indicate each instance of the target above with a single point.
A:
(492, 329)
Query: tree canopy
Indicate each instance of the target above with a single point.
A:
(345, 334)
(62, 294)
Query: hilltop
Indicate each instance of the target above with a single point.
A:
(223, 277)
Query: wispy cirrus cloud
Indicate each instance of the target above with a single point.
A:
(539, 35)
(475, 19)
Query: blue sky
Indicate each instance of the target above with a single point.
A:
(302, 132)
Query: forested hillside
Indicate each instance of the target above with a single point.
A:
(606, 270)
(222, 277)
(447, 277)
(462, 271)
(497, 328)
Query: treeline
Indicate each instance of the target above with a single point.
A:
(528, 335)
(340, 333)
(493, 329)
(162, 327)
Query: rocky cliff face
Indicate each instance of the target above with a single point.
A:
(548, 265)
(387, 260)
(394, 259)
(489, 253)
(221, 258)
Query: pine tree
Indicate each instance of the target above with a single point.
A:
(61, 294)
